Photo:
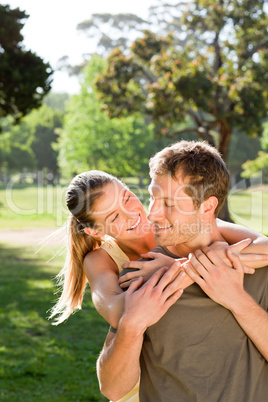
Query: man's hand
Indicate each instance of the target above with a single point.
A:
(218, 280)
(145, 268)
(146, 303)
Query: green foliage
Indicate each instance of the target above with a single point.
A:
(45, 122)
(252, 167)
(15, 150)
(29, 145)
(242, 148)
(56, 100)
(24, 77)
(216, 74)
(91, 140)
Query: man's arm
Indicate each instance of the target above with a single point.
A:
(118, 365)
(119, 356)
(225, 286)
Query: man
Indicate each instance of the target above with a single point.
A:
(200, 348)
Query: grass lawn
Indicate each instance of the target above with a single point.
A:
(41, 362)
(250, 208)
(28, 206)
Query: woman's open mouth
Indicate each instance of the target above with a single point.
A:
(135, 224)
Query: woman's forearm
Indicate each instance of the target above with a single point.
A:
(234, 233)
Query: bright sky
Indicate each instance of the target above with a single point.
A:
(50, 30)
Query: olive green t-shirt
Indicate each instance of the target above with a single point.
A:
(197, 352)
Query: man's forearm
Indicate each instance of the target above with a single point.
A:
(254, 321)
(118, 365)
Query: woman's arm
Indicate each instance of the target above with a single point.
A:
(234, 233)
(255, 254)
(107, 296)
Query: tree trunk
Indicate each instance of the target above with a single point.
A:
(225, 132)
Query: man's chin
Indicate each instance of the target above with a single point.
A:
(161, 241)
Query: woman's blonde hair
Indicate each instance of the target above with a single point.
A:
(84, 190)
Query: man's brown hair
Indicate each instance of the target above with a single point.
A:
(201, 167)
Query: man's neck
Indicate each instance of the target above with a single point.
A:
(200, 241)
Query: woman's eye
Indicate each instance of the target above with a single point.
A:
(168, 206)
(127, 198)
(115, 218)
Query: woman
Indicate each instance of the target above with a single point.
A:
(102, 206)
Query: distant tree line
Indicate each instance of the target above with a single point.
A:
(194, 83)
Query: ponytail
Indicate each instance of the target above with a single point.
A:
(72, 279)
(84, 190)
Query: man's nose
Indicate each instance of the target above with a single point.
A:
(155, 211)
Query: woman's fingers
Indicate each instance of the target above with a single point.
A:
(130, 275)
(151, 255)
(248, 270)
(238, 247)
(126, 284)
(133, 264)
(253, 257)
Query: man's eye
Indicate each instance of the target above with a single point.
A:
(115, 218)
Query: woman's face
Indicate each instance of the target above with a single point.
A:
(119, 213)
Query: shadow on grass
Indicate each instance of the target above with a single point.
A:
(40, 361)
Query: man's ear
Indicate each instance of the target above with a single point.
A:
(209, 206)
(92, 232)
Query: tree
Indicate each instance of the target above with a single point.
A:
(242, 148)
(16, 154)
(45, 124)
(90, 140)
(29, 145)
(221, 85)
(24, 77)
(251, 167)
(108, 31)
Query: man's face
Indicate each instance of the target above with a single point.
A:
(172, 212)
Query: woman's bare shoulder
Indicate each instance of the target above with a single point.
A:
(99, 260)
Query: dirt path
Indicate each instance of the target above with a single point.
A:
(28, 236)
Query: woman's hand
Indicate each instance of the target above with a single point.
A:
(249, 261)
(145, 269)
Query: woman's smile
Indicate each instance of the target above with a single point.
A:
(138, 221)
